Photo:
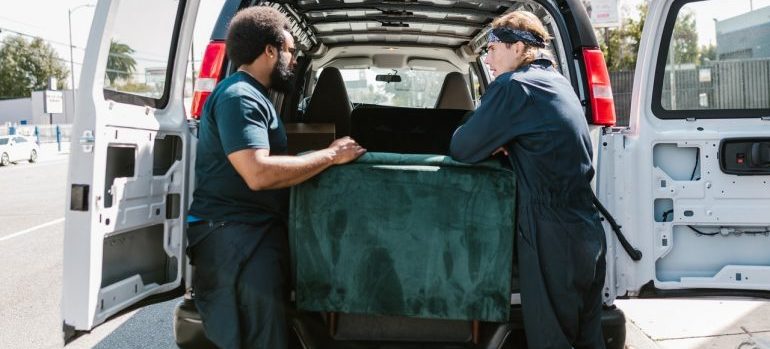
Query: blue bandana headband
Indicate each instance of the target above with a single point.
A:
(509, 35)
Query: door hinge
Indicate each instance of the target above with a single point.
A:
(87, 141)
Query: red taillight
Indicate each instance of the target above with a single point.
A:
(211, 68)
(599, 88)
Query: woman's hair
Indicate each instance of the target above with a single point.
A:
(251, 30)
(527, 21)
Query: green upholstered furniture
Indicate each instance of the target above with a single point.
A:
(406, 235)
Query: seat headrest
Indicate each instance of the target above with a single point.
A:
(330, 102)
(454, 93)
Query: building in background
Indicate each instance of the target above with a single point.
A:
(744, 36)
(31, 111)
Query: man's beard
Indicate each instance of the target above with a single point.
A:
(282, 77)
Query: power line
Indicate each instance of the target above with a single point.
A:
(3, 29)
(19, 22)
(54, 42)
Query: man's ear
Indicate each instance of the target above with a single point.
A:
(270, 51)
(520, 47)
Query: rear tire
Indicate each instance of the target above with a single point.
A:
(5, 160)
(33, 156)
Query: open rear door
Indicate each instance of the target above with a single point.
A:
(690, 181)
(129, 162)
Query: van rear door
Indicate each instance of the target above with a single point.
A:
(689, 181)
(128, 172)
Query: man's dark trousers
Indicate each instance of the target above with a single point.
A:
(241, 284)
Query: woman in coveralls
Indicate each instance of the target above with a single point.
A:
(531, 114)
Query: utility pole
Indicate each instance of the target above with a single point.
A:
(192, 65)
(72, 62)
(672, 70)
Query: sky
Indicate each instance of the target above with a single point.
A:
(706, 12)
(48, 19)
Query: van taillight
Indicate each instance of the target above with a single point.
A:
(211, 68)
(599, 89)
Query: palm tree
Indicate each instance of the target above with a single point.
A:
(120, 64)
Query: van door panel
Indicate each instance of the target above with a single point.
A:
(699, 227)
(125, 243)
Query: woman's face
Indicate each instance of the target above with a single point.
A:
(502, 58)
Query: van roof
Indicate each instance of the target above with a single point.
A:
(449, 24)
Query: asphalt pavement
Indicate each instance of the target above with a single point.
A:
(31, 237)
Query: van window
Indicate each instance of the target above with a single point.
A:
(714, 61)
(138, 69)
(476, 91)
(3, 141)
(417, 88)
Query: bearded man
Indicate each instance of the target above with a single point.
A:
(242, 177)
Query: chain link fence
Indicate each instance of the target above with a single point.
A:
(716, 85)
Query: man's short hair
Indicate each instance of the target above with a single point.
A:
(251, 30)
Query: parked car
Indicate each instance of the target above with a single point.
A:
(17, 148)
(687, 180)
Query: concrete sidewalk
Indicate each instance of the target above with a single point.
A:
(50, 151)
(700, 323)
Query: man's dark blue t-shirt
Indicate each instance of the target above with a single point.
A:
(237, 115)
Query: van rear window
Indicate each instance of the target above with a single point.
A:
(714, 61)
(413, 88)
(141, 53)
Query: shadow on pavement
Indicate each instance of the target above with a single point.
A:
(149, 328)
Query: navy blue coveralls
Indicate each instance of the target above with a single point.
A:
(241, 256)
(534, 114)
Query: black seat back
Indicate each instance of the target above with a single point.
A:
(405, 130)
(330, 103)
(454, 93)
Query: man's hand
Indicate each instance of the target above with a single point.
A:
(345, 150)
(500, 150)
(262, 171)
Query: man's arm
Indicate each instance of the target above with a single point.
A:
(261, 171)
(494, 123)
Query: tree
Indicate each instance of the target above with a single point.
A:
(708, 53)
(138, 88)
(26, 66)
(621, 45)
(684, 39)
(633, 30)
(120, 63)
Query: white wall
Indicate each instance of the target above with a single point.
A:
(15, 110)
(32, 110)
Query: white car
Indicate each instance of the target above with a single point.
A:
(17, 148)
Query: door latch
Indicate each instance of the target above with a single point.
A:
(87, 141)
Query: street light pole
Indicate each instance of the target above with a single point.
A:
(72, 62)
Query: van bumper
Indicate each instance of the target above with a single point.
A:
(189, 333)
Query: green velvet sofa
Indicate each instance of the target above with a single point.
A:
(405, 235)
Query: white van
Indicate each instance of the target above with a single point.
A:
(687, 180)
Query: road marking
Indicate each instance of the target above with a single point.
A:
(25, 231)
